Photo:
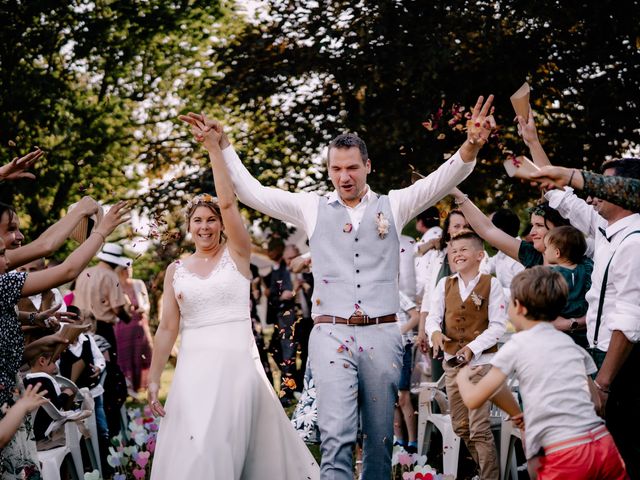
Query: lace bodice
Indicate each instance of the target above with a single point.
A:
(220, 297)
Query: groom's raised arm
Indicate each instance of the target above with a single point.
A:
(408, 202)
(290, 207)
(299, 209)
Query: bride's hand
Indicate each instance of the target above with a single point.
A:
(205, 130)
(152, 398)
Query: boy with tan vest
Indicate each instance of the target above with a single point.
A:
(466, 319)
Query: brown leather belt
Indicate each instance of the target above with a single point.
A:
(355, 320)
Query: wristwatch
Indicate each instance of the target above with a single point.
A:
(574, 325)
(32, 318)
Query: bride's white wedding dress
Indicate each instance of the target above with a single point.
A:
(223, 419)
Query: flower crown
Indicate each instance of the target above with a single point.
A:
(197, 200)
(541, 210)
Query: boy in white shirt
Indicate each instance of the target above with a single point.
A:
(564, 438)
(466, 319)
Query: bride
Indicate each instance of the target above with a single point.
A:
(222, 419)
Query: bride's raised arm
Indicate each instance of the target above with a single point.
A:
(209, 133)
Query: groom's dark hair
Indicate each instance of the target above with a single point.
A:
(348, 140)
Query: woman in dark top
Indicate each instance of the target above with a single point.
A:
(529, 254)
(19, 456)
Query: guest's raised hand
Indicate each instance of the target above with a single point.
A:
(47, 318)
(117, 214)
(87, 206)
(68, 317)
(32, 398)
(555, 177)
(17, 168)
(527, 129)
(482, 123)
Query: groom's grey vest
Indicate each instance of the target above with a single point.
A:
(357, 267)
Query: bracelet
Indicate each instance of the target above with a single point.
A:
(32, 318)
(104, 239)
(153, 387)
(573, 172)
(465, 197)
(602, 389)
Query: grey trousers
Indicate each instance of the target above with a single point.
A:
(356, 371)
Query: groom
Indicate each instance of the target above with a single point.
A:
(355, 347)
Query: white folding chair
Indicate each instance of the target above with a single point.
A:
(51, 460)
(508, 436)
(91, 443)
(428, 392)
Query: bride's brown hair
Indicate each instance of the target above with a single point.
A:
(204, 200)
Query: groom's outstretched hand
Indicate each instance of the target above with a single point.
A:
(201, 125)
(479, 128)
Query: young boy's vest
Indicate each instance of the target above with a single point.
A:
(464, 321)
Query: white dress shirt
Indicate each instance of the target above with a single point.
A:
(407, 274)
(497, 317)
(504, 268)
(98, 358)
(406, 304)
(621, 308)
(301, 208)
(433, 270)
(422, 261)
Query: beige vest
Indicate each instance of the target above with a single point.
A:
(464, 321)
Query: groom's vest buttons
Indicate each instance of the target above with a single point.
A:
(354, 269)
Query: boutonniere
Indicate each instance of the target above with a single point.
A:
(382, 223)
(347, 228)
(477, 300)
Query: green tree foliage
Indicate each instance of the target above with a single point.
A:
(309, 70)
(91, 82)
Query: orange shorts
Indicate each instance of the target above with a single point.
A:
(592, 456)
